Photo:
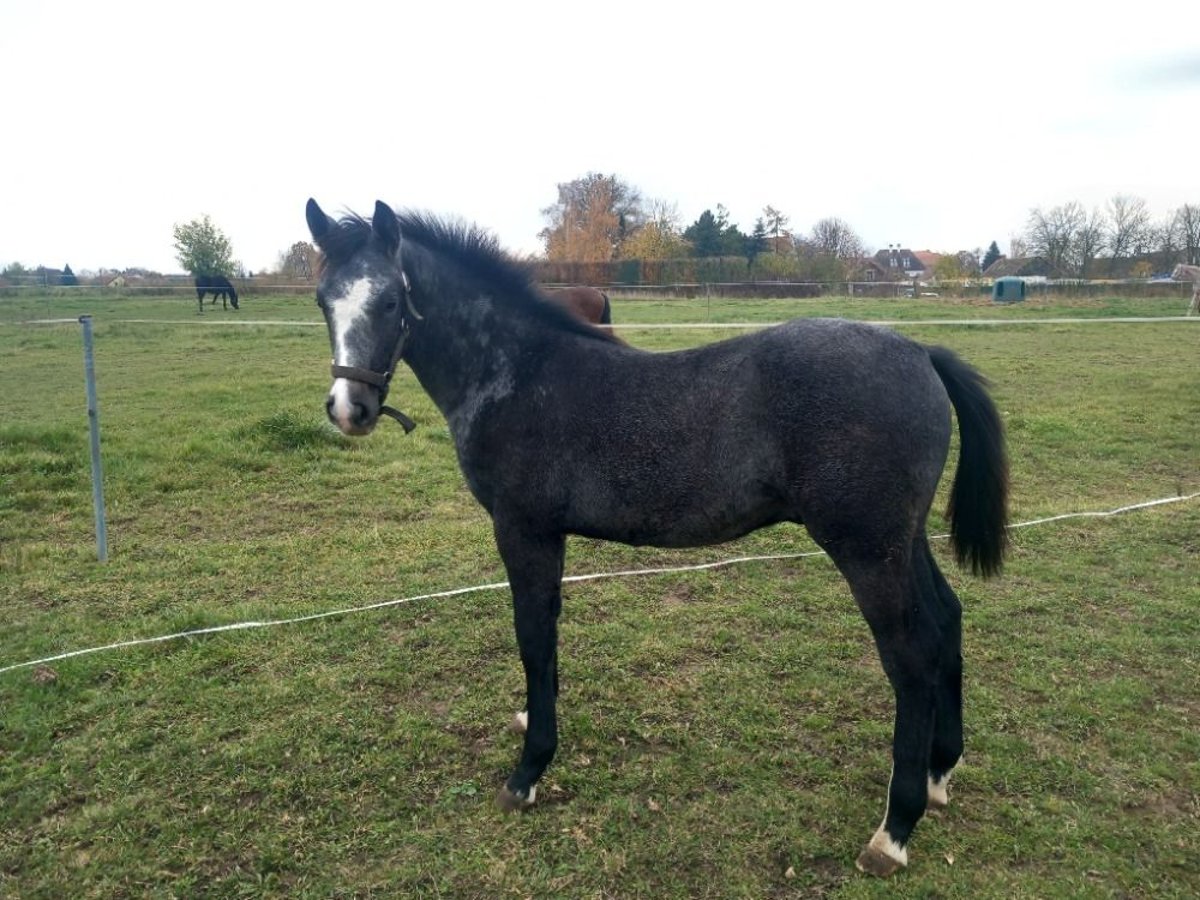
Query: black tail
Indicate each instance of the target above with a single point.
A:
(606, 316)
(978, 508)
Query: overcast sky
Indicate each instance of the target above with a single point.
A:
(935, 125)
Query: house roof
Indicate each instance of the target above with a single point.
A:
(904, 259)
(1022, 265)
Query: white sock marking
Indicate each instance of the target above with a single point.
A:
(938, 796)
(883, 842)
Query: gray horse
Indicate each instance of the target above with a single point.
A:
(560, 429)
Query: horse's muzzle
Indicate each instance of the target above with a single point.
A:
(353, 406)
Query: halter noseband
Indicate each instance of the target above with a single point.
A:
(382, 380)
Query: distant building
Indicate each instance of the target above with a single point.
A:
(900, 262)
(1034, 267)
(867, 269)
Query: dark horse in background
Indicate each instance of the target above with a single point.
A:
(589, 303)
(220, 286)
(560, 429)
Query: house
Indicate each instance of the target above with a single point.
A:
(900, 262)
(1037, 267)
(928, 259)
(867, 269)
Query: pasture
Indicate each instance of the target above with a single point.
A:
(725, 733)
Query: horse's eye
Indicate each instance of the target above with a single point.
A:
(390, 305)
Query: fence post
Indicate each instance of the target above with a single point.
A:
(89, 367)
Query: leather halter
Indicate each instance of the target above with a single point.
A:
(382, 380)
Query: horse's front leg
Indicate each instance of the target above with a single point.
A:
(535, 568)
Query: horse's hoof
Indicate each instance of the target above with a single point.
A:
(519, 723)
(510, 801)
(882, 857)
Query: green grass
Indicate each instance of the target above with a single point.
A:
(719, 729)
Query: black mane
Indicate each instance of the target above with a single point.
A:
(474, 252)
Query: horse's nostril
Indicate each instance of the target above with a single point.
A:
(359, 416)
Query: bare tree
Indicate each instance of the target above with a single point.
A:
(834, 237)
(664, 214)
(1054, 234)
(1187, 221)
(299, 261)
(1089, 241)
(1128, 226)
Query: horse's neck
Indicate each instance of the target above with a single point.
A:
(466, 354)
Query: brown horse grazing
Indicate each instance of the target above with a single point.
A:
(587, 303)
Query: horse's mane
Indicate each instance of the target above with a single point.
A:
(473, 251)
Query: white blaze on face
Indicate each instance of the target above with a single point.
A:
(346, 311)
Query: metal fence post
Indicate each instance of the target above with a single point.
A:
(89, 367)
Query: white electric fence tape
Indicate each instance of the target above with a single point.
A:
(500, 585)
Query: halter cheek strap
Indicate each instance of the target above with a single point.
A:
(382, 380)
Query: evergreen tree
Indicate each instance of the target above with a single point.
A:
(756, 243)
(993, 254)
(68, 277)
(704, 235)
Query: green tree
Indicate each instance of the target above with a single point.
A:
(704, 235)
(653, 241)
(68, 277)
(993, 254)
(203, 249)
(948, 268)
(733, 241)
(756, 243)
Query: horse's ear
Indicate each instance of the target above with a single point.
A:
(385, 227)
(319, 224)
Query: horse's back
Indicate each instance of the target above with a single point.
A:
(706, 444)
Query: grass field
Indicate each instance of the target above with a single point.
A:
(723, 733)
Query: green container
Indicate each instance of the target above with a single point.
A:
(1008, 290)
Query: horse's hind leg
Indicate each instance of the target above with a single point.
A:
(889, 591)
(948, 728)
(535, 566)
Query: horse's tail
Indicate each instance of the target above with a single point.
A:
(978, 508)
(606, 313)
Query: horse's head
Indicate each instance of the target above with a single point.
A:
(363, 293)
